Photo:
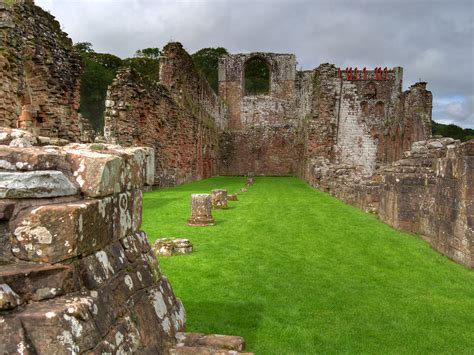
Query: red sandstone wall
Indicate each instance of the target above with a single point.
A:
(188, 87)
(431, 193)
(261, 150)
(262, 129)
(318, 130)
(40, 74)
(142, 113)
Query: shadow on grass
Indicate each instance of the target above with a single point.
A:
(227, 318)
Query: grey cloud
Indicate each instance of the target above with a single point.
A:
(432, 39)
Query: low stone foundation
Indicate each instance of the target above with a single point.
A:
(429, 192)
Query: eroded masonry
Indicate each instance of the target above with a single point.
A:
(72, 256)
(40, 74)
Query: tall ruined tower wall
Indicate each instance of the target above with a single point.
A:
(362, 119)
(363, 122)
(261, 130)
(40, 74)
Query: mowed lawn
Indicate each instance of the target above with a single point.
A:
(295, 271)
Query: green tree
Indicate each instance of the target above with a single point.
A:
(257, 77)
(150, 53)
(147, 67)
(99, 70)
(83, 47)
(451, 130)
(206, 61)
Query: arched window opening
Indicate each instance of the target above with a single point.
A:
(257, 77)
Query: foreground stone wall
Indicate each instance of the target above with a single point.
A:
(139, 112)
(40, 74)
(76, 273)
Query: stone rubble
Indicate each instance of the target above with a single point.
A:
(202, 344)
(219, 198)
(232, 197)
(170, 246)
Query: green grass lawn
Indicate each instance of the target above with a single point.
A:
(295, 271)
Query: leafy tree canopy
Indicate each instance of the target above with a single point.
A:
(150, 53)
(453, 131)
(257, 77)
(99, 70)
(206, 61)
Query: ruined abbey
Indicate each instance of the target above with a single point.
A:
(72, 255)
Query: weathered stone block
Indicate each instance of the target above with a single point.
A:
(219, 198)
(201, 214)
(61, 326)
(35, 184)
(30, 159)
(86, 226)
(134, 245)
(123, 338)
(213, 341)
(169, 246)
(102, 265)
(37, 282)
(103, 170)
(232, 197)
(97, 174)
(8, 298)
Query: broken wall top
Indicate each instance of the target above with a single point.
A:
(40, 73)
(188, 86)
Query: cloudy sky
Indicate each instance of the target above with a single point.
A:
(433, 40)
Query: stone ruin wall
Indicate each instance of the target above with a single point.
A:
(262, 129)
(429, 192)
(40, 74)
(174, 117)
(189, 87)
(76, 273)
(364, 123)
(347, 137)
